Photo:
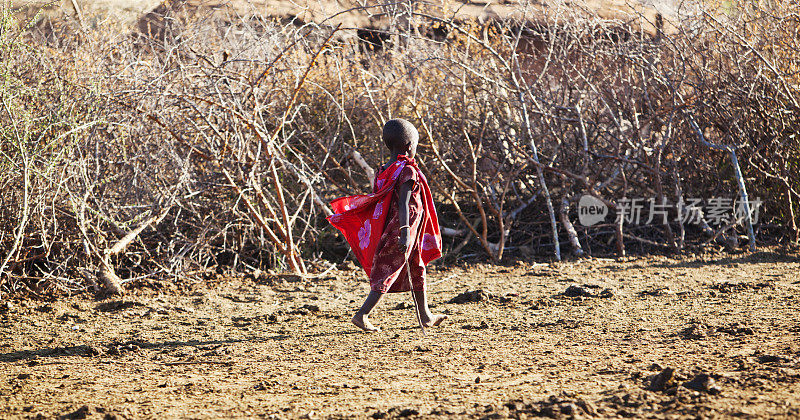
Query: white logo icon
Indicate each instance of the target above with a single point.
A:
(591, 210)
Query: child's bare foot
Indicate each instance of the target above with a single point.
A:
(433, 320)
(361, 321)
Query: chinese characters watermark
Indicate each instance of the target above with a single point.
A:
(645, 211)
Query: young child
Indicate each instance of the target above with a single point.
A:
(393, 227)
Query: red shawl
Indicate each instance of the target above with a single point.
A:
(362, 218)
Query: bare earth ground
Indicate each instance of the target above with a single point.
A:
(255, 347)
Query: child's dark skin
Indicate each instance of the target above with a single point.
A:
(361, 318)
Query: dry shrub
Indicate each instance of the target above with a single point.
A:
(218, 140)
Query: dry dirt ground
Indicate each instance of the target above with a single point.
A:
(702, 337)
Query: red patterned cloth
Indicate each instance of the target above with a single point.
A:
(371, 223)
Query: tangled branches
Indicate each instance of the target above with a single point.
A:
(214, 142)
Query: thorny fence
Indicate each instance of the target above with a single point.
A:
(208, 144)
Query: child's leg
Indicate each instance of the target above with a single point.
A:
(361, 318)
(420, 294)
(428, 319)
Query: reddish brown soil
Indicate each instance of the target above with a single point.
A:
(275, 348)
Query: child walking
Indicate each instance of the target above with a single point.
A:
(394, 228)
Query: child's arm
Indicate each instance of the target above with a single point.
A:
(404, 196)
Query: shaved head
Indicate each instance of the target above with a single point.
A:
(400, 135)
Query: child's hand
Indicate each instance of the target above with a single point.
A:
(404, 242)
